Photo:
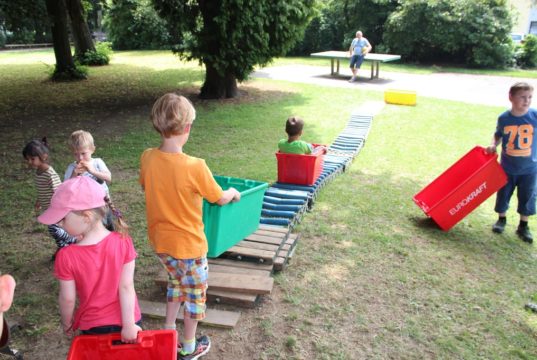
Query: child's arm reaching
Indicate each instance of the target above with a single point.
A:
(127, 296)
(491, 149)
(67, 299)
(229, 195)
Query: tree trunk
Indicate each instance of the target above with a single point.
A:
(218, 86)
(62, 50)
(79, 27)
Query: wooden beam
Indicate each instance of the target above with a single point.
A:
(259, 246)
(279, 229)
(218, 318)
(266, 239)
(241, 283)
(236, 270)
(241, 264)
(263, 256)
(232, 298)
(247, 284)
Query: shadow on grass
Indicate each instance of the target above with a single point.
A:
(424, 222)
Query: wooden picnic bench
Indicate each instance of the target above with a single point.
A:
(375, 59)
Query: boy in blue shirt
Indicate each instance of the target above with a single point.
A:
(516, 132)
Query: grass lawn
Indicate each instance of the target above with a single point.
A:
(371, 278)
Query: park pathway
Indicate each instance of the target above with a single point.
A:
(474, 89)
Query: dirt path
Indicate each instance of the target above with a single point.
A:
(475, 89)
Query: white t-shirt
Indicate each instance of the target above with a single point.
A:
(98, 164)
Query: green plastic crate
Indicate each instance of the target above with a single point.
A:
(226, 225)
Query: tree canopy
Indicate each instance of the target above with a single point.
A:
(232, 36)
(476, 32)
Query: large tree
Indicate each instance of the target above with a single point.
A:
(62, 50)
(230, 37)
(79, 26)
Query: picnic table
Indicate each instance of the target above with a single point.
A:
(375, 60)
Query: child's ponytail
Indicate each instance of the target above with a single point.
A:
(119, 223)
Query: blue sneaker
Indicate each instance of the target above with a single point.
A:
(203, 345)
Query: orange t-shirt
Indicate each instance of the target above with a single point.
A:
(175, 185)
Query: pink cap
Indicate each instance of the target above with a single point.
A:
(79, 193)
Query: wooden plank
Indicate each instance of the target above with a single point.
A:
(236, 270)
(259, 246)
(269, 233)
(248, 284)
(290, 256)
(232, 298)
(241, 264)
(279, 229)
(266, 257)
(278, 234)
(293, 237)
(279, 263)
(265, 239)
(218, 318)
(163, 275)
(241, 283)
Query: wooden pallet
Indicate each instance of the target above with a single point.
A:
(240, 283)
(218, 318)
(242, 275)
(261, 246)
(286, 252)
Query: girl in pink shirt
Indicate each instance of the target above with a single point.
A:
(99, 268)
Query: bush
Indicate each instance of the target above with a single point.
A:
(134, 24)
(101, 55)
(527, 56)
(21, 36)
(474, 32)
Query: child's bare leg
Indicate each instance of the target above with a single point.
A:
(172, 309)
(191, 326)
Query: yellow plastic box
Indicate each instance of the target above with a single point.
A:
(400, 97)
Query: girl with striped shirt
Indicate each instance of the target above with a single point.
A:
(46, 181)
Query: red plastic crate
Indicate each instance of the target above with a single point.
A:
(300, 169)
(151, 345)
(461, 188)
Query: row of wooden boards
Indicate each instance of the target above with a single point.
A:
(240, 276)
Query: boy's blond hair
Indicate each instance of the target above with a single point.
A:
(294, 125)
(171, 114)
(81, 139)
(520, 86)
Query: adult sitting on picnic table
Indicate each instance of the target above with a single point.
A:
(360, 46)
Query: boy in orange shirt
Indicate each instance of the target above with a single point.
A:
(175, 185)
